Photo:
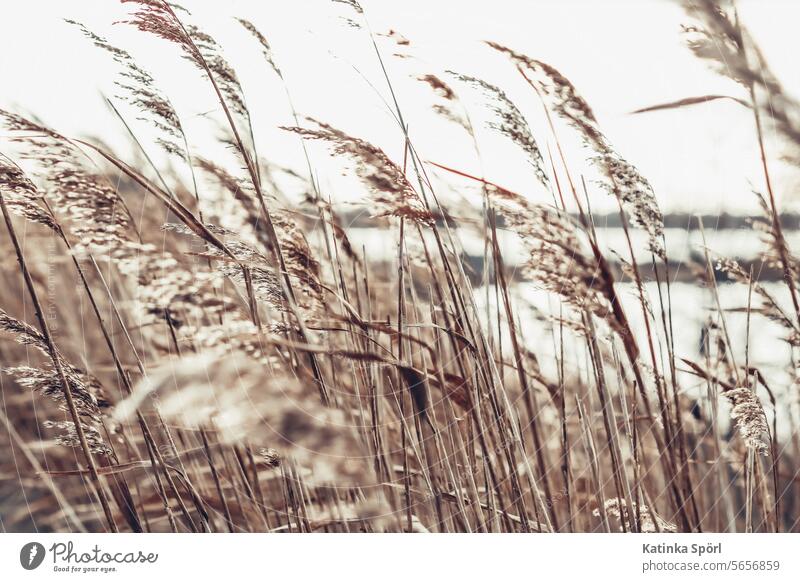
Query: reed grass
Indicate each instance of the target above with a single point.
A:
(220, 357)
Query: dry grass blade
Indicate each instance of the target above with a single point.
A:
(690, 101)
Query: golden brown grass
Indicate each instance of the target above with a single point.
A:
(168, 366)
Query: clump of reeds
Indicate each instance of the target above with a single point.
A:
(230, 361)
(623, 179)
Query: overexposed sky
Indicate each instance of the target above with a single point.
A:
(621, 55)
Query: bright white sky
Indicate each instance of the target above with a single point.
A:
(621, 55)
